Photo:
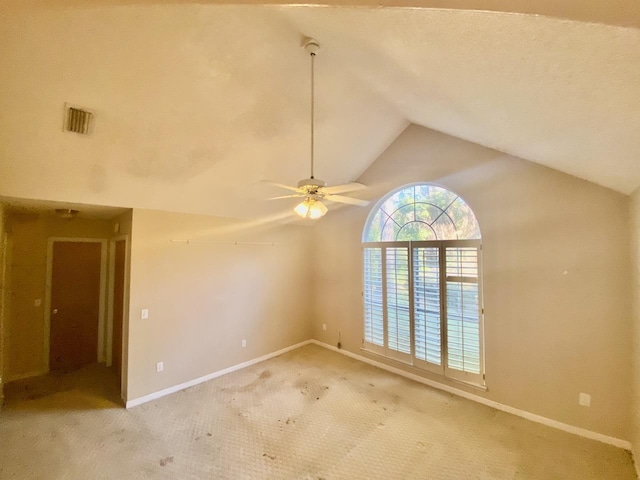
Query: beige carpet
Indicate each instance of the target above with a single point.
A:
(309, 414)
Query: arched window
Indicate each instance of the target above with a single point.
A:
(421, 212)
(422, 282)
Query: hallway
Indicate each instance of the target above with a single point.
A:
(89, 388)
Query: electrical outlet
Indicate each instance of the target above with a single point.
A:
(324, 327)
(244, 343)
(144, 313)
(159, 367)
(584, 399)
(37, 302)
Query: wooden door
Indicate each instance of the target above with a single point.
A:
(118, 303)
(75, 304)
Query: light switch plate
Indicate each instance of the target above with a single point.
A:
(584, 399)
(159, 367)
(144, 313)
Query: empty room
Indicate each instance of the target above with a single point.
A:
(333, 240)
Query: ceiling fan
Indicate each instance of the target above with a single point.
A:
(312, 189)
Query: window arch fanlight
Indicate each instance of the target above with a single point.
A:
(422, 285)
(421, 212)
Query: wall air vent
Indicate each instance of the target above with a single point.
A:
(78, 120)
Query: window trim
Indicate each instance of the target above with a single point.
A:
(419, 371)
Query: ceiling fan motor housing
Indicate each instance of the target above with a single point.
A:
(311, 184)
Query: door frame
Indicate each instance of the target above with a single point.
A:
(125, 309)
(4, 297)
(100, 348)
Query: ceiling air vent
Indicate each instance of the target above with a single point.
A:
(78, 120)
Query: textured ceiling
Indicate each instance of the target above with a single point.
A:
(560, 93)
(196, 104)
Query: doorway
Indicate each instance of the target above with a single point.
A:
(58, 310)
(75, 303)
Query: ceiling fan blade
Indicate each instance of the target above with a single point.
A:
(347, 200)
(295, 195)
(286, 187)
(348, 187)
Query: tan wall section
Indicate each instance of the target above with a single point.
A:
(28, 234)
(635, 265)
(206, 296)
(556, 276)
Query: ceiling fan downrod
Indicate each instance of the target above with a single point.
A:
(312, 47)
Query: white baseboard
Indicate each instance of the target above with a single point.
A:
(176, 388)
(616, 442)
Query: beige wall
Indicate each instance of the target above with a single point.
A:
(206, 296)
(556, 276)
(635, 265)
(28, 234)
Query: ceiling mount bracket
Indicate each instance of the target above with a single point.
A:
(311, 45)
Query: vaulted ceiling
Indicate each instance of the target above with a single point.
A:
(196, 103)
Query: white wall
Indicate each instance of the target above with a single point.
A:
(556, 276)
(204, 297)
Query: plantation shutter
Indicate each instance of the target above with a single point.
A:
(373, 298)
(398, 303)
(427, 308)
(422, 305)
(463, 312)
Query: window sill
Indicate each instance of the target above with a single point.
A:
(426, 373)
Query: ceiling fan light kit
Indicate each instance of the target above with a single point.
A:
(312, 189)
(311, 208)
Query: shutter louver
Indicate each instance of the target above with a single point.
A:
(373, 297)
(463, 309)
(426, 304)
(398, 304)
